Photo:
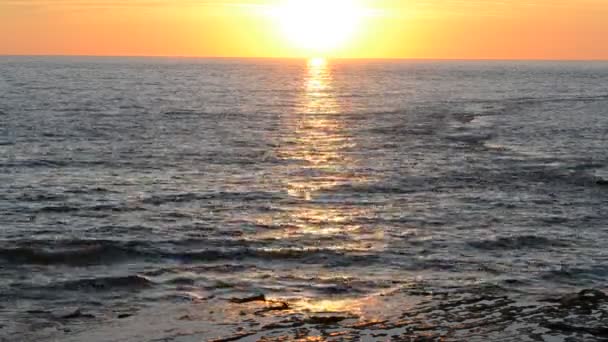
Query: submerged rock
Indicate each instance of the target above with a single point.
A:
(325, 320)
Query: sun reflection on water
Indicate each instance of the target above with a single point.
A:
(319, 172)
(320, 138)
(316, 145)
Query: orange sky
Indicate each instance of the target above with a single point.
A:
(477, 29)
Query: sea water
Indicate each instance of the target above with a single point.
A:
(129, 184)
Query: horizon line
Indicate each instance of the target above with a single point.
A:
(304, 58)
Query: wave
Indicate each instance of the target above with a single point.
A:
(534, 100)
(183, 112)
(222, 268)
(517, 242)
(63, 209)
(589, 98)
(407, 185)
(470, 138)
(94, 252)
(546, 171)
(34, 163)
(576, 275)
(89, 190)
(326, 256)
(72, 253)
(41, 197)
(221, 195)
(402, 130)
(131, 282)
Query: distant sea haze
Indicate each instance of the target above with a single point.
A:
(191, 199)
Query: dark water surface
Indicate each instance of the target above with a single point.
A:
(129, 184)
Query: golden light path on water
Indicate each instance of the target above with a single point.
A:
(317, 145)
(320, 136)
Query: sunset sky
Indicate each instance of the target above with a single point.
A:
(460, 29)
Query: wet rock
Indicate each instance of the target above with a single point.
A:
(131, 282)
(278, 306)
(513, 281)
(274, 306)
(37, 312)
(595, 331)
(283, 325)
(339, 289)
(256, 298)
(232, 338)
(365, 325)
(182, 281)
(222, 285)
(602, 182)
(586, 299)
(325, 320)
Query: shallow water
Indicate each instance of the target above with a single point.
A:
(129, 184)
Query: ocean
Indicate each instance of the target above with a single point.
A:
(180, 199)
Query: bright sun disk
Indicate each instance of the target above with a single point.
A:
(319, 26)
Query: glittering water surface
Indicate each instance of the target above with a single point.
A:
(129, 183)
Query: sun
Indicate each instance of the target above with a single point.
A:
(319, 26)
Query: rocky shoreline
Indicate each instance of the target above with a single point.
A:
(406, 314)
